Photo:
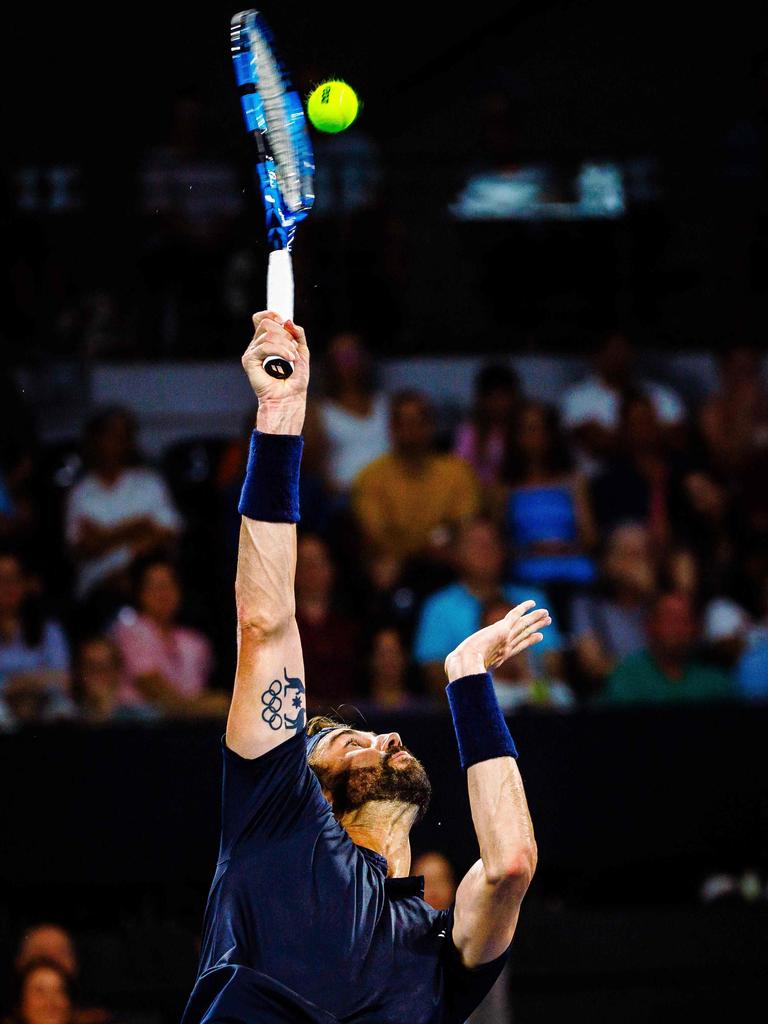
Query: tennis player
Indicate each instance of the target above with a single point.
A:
(312, 915)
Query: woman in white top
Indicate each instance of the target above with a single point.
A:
(119, 510)
(354, 416)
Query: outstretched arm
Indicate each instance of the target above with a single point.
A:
(489, 896)
(269, 699)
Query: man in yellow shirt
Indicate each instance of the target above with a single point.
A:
(408, 500)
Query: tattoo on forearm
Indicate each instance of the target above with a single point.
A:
(273, 699)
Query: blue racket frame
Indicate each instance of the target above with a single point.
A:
(281, 220)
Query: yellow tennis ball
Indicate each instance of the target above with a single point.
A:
(332, 106)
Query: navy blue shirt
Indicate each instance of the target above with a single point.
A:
(302, 925)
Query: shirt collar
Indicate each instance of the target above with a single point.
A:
(396, 888)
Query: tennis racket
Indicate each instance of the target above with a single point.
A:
(274, 118)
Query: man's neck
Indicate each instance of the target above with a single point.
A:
(383, 826)
(413, 461)
(483, 590)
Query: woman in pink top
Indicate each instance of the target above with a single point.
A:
(164, 664)
(483, 438)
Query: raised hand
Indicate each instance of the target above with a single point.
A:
(493, 645)
(274, 337)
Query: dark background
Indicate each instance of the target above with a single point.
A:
(680, 85)
(633, 812)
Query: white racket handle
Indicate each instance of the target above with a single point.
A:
(280, 300)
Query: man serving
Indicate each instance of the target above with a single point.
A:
(312, 916)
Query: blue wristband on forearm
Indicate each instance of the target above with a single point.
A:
(481, 731)
(271, 488)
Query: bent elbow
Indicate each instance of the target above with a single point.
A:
(517, 870)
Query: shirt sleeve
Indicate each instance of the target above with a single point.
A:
(73, 514)
(434, 639)
(270, 796)
(465, 987)
(466, 501)
(56, 649)
(160, 504)
(668, 404)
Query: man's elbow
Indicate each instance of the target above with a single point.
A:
(516, 870)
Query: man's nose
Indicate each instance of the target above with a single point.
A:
(389, 741)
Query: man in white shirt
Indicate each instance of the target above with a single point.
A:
(591, 409)
(118, 511)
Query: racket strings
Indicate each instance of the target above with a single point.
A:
(278, 118)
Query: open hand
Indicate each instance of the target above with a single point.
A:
(493, 645)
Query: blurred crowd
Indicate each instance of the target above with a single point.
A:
(641, 523)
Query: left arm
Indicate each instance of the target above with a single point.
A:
(489, 896)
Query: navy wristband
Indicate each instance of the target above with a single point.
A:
(271, 488)
(481, 731)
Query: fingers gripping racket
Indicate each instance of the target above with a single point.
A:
(274, 117)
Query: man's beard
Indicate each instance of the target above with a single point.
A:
(407, 784)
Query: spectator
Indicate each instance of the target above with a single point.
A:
(548, 513)
(520, 682)
(609, 625)
(483, 438)
(44, 994)
(330, 639)
(407, 500)
(454, 612)
(388, 666)
(163, 663)
(752, 672)
(97, 685)
(118, 510)
(34, 655)
(640, 483)
(440, 893)
(591, 409)
(52, 944)
(733, 423)
(708, 523)
(354, 414)
(439, 879)
(666, 670)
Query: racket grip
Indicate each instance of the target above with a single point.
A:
(280, 300)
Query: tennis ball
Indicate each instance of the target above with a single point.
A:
(332, 106)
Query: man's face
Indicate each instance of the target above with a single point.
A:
(160, 594)
(48, 941)
(615, 360)
(355, 767)
(480, 553)
(411, 428)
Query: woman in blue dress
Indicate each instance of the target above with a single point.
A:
(547, 514)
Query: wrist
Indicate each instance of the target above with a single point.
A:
(282, 417)
(460, 663)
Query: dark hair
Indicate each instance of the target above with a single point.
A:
(558, 456)
(96, 425)
(367, 377)
(315, 725)
(31, 617)
(23, 975)
(78, 694)
(406, 396)
(141, 567)
(491, 378)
